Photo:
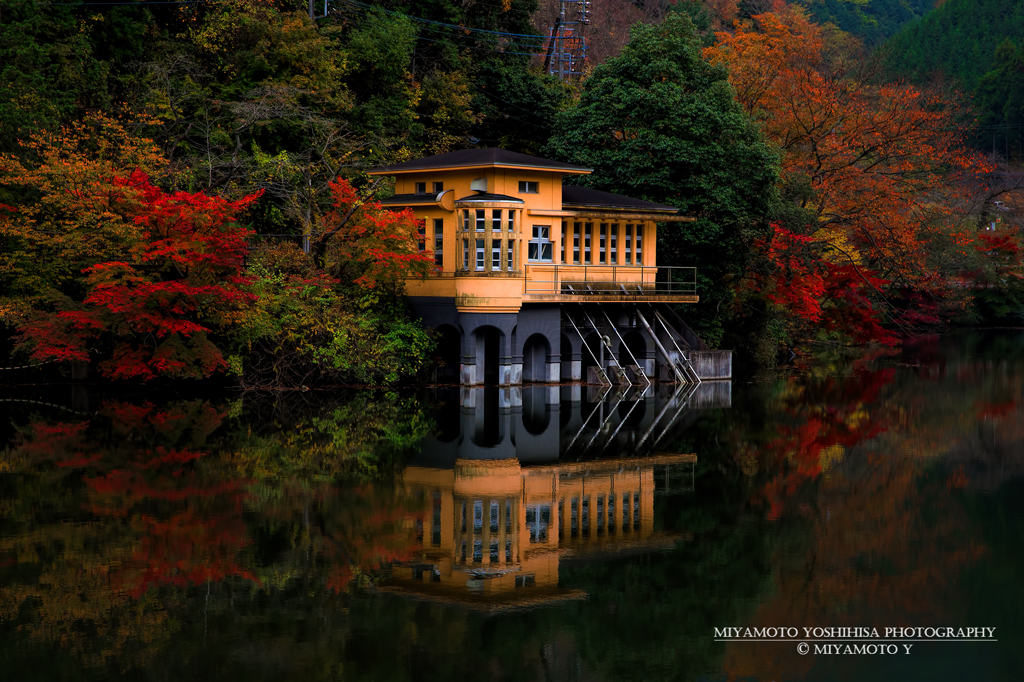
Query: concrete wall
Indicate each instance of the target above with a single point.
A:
(712, 364)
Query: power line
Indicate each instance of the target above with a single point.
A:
(440, 23)
(358, 9)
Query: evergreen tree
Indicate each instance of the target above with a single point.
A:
(660, 123)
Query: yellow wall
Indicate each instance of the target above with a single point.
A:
(505, 291)
(559, 489)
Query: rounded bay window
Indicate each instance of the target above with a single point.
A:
(489, 233)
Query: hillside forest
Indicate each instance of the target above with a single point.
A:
(183, 188)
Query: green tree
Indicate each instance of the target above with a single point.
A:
(518, 106)
(48, 72)
(660, 123)
(1000, 100)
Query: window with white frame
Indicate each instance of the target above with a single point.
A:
(529, 187)
(540, 247)
(439, 241)
(421, 188)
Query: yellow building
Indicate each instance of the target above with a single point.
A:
(495, 531)
(537, 280)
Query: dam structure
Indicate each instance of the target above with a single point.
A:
(540, 281)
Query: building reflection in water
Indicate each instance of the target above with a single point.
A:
(518, 478)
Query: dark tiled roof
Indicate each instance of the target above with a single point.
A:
(483, 196)
(594, 198)
(491, 156)
(405, 199)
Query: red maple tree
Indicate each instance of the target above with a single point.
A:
(151, 312)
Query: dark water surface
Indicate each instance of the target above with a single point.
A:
(551, 533)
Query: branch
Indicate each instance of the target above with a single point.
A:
(320, 246)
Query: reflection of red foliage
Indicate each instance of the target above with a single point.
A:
(382, 530)
(995, 410)
(190, 527)
(958, 479)
(185, 549)
(797, 450)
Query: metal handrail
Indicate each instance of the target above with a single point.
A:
(605, 279)
(627, 280)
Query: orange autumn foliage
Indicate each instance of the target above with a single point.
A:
(880, 170)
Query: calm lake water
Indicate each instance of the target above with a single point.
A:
(552, 533)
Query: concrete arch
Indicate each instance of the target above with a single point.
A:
(490, 342)
(592, 357)
(637, 345)
(569, 357)
(536, 410)
(449, 353)
(536, 352)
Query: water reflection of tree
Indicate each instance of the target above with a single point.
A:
(196, 539)
(113, 525)
(866, 473)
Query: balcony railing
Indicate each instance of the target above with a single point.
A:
(609, 280)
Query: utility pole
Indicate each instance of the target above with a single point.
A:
(567, 52)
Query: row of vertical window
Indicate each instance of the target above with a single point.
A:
(438, 240)
(476, 220)
(585, 247)
(603, 247)
(475, 252)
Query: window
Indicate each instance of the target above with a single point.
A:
(495, 255)
(496, 220)
(465, 220)
(540, 247)
(439, 241)
(465, 254)
(576, 242)
(421, 230)
(526, 581)
(613, 242)
(511, 220)
(601, 240)
(564, 227)
(627, 245)
(479, 254)
(421, 188)
(481, 220)
(638, 244)
(588, 228)
(528, 187)
(438, 187)
(510, 264)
